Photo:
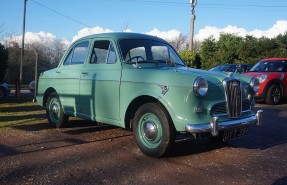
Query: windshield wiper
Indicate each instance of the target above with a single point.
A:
(168, 62)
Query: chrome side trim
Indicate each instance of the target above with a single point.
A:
(215, 125)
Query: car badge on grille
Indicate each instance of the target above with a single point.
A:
(234, 84)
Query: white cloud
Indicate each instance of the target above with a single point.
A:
(166, 35)
(30, 38)
(280, 27)
(89, 31)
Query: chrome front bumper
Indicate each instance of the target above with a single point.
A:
(215, 125)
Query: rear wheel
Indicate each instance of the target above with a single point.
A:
(54, 111)
(274, 95)
(153, 130)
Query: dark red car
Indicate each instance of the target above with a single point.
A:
(272, 75)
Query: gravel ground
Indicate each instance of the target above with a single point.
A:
(90, 153)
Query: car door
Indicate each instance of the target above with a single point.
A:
(100, 83)
(67, 77)
(284, 76)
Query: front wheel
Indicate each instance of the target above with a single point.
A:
(274, 95)
(153, 130)
(54, 111)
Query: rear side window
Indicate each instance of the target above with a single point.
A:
(78, 54)
(103, 53)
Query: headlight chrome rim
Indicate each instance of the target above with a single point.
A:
(254, 84)
(262, 78)
(200, 87)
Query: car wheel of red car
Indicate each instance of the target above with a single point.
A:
(274, 95)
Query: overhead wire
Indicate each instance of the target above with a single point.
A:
(177, 3)
(61, 14)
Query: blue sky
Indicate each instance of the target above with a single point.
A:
(64, 19)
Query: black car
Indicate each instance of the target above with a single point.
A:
(235, 68)
(4, 90)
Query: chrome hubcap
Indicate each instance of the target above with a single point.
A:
(150, 130)
(55, 109)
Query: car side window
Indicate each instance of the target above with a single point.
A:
(69, 57)
(103, 52)
(78, 54)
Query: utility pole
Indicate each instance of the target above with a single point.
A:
(36, 76)
(192, 4)
(22, 48)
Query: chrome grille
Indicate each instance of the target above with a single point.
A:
(219, 109)
(233, 97)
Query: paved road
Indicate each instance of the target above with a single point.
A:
(85, 153)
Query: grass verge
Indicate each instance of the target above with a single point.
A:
(17, 111)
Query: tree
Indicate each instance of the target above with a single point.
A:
(207, 53)
(282, 40)
(238, 50)
(3, 62)
(179, 43)
(249, 50)
(49, 55)
(228, 47)
(13, 63)
(192, 59)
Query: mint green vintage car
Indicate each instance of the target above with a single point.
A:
(139, 82)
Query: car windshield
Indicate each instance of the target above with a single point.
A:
(225, 68)
(270, 66)
(148, 51)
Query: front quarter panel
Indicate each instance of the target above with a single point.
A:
(179, 100)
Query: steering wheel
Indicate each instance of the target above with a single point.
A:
(136, 57)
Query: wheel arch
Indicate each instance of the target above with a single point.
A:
(274, 82)
(136, 103)
(46, 95)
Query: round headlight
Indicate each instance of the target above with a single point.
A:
(200, 86)
(254, 84)
(262, 78)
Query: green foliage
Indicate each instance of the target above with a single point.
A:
(207, 53)
(190, 58)
(3, 62)
(233, 49)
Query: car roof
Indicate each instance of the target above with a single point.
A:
(123, 35)
(273, 59)
(236, 64)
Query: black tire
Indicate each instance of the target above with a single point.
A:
(153, 130)
(54, 111)
(274, 95)
(3, 93)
